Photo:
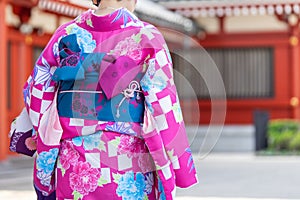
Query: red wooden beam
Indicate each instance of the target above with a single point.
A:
(3, 83)
(61, 8)
(217, 5)
(23, 3)
(295, 75)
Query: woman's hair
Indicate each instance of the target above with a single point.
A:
(98, 2)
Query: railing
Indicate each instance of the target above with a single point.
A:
(246, 72)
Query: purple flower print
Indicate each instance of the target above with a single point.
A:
(84, 109)
(72, 60)
(76, 105)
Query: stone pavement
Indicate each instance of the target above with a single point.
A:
(221, 177)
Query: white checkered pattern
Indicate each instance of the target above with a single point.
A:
(45, 105)
(161, 122)
(175, 163)
(87, 130)
(34, 117)
(105, 173)
(76, 122)
(93, 159)
(37, 93)
(166, 104)
(167, 172)
(112, 149)
(152, 97)
(124, 162)
(161, 58)
(162, 74)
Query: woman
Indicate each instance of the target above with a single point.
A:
(119, 132)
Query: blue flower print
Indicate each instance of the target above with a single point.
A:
(84, 38)
(190, 160)
(149, 105)
(26, 93)
(156, 83)
(77, 141)
(151, 68)
(121, 127)
(149, 182)
(46, 160)
(126, 16)
(45, 179)
(55, 49)
(130, 189)
(42, 74)
(89, 142)
(161, 190)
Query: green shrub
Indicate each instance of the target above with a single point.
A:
(282, 141)
(295, 142)
(278, 126)
(281, 133)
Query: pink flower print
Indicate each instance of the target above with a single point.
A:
(128, 47)
(146, 163)
(68, 156)
(132, 146)
(84, 178)
(30, 143)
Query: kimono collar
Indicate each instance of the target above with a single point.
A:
(116, 20)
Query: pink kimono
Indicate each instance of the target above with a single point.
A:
(118, 132)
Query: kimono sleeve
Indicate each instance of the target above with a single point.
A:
(164, 129)
(39, 90)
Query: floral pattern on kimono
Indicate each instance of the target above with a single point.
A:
(142, 137)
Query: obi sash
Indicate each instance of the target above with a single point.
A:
(81, 93)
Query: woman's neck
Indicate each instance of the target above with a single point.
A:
(105, 11)
(107, 7)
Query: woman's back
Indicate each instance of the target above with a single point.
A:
(123, 134)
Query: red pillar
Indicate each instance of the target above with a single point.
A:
(295, 71)
(3, 83)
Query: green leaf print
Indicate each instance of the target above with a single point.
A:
(102, 146)
(102, 181)
(146, 197)
(59, 166)
(116, 141)
(63, 171)
(77, 195)
(137, 38)
(177, 112)
(149, 32)
(90, 23)
(145, 67)
(69, 29)
(157, 167)
(78, 20)
(116, 178)
(171, 154)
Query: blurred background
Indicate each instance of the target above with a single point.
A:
(237, 70)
